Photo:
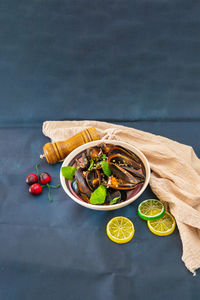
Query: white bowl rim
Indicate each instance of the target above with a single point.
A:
(130, 147)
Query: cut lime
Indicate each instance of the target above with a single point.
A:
(151, 209)
(163, 226)
(120, 230)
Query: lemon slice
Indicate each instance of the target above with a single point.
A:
(120, 230)
(151, 209)
(163, 226)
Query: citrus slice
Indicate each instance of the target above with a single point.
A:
(151, 209)
(120, 230)
(163, 226)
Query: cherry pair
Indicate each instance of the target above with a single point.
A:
(36, 188)
(44, 178)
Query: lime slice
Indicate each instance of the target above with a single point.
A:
(120, 230)
(151, 209)
(163, 226)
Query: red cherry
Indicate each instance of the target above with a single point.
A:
(31, 178)
(35, 189)
(44, 178)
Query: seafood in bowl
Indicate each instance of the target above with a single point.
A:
(105, 175)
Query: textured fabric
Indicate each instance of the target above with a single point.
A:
(174, 179)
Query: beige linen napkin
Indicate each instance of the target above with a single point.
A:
(175, 176)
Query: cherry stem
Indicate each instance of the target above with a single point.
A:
(49, 187)
(55, 186)
(37, 165)
(49, 194)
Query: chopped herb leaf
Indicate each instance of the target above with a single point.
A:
(68, 172)
(91, 164)
(105, 167)
(99, 195)
(103, 157)
(113, 201)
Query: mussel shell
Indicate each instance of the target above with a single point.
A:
(124, 160)
(93, 179)
(81, 182)
(85, 197)
(111, 194)
(119, 184)
(94, 152)
(122, 174)
(125, 152)
(106, 147)
(123, 195)
(134, 172)
(74, 186)
(82, 162)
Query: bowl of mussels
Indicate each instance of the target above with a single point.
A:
(105, 174)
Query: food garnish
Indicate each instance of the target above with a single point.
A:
(163, 226)
(120, 230)
(105, 167)
(99, 195)
(68, 172)
(151, 209)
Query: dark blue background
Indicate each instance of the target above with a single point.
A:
(135, 63)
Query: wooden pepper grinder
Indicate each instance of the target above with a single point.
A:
(54, 152)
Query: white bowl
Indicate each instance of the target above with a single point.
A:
(75, 152)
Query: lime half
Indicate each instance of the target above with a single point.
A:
(151, 209)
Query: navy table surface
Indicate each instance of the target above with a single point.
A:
(135, 63)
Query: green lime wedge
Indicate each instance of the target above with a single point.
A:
(151, 209)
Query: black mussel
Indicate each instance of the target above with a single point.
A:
(85, 197)
(122, 174)
(74, 186)
(102, 146)
(116, 195)
(104, 178)
(94, 153)
(82, 184)
(134, 172)
(93, 179)
(113, 194)
(124, 152)
(119, 184)
(123, 160)
(82, 162)
(106, 147)
(123, 195)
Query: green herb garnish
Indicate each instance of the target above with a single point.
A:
(105, 167)
(68, 172)
(113, 201)
(99, 195)
(103, 157)
(91, 164)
